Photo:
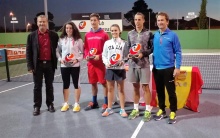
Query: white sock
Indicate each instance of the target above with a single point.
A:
(76, 104)
(149, 108)
(136, 107)
(65, 103)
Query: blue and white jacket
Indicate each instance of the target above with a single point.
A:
(167, 50)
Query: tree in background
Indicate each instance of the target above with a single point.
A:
(141, 6)
(202, 20)
(50, 19)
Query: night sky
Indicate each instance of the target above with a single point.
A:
(62, 9)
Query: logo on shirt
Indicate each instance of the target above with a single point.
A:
(93, 51)
(135, 48)
(82, 24)
(69, 57)
(114, 59)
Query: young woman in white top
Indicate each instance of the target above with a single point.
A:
(70, 53)
(113, 57)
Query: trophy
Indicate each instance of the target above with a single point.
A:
(134, 50)
(69, 58)
(92, 53)
(115, 60)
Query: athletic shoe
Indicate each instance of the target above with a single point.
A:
(133, 114)
(104, 107)
(147, 116)
(172, 118)
(159, 115)
(65, 107)
(123, 113)
(91, 105)
(76, 108)
(107, 112)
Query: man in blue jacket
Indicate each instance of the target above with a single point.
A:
(167, 58)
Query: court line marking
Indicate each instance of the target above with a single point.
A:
(16, 87)
(21, 86)
(28, 74)
(137, 129)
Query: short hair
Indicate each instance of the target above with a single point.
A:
(42, 16)
(163, 14)
(95, 15)
(139, 13)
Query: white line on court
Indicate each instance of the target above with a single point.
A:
(16, 87)
(21, 86)
(137, 129)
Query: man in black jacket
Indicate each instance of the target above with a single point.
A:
(42, 62)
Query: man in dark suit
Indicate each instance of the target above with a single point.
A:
(42, 62)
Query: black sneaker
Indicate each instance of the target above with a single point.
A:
(91, 105)
(160, 114)
(172, 118)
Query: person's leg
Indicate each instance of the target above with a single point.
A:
(94, 92)
(136, 95)
(110, 85)
(147, 98)
(75, 71)
(160, 87)
(121, 92)
(93, 81)
(100, 72)
(134, 79)
(65, 73)
(37, 77)
(171, 89)
(49, 77)
(147, 95)
(120, 85)
(144, 74)
(107, 111)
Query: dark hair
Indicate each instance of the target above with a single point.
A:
(139, 13)
(116, 25)
(163, 14)
(94, 15)
(76, 35)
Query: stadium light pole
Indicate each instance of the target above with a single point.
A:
(177, 23)
(4, 24)
(12, 15)
(46, 12)
(149, 20)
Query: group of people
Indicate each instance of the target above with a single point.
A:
(105, 62)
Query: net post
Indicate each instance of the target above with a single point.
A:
(6, 65)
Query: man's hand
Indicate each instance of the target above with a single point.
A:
(176, 72)
(31, 71)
